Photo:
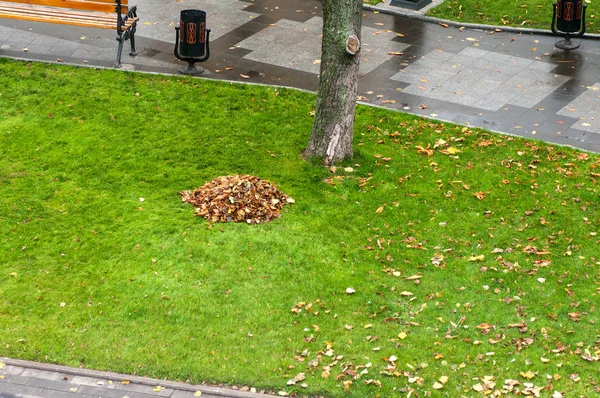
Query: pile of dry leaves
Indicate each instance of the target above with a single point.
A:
(237, 198)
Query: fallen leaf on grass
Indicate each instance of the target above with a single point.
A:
(450, 151)
(424, 151)
(479, 257)
(528, 375)
(484, 326)
(480, 195)
(575, 316)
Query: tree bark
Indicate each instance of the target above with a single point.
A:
(331, 136)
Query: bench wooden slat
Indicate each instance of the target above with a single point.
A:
(91, 5)
(54, 12)
(99, 20)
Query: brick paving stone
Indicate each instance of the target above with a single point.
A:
(62, 385)
(45, 374)
(18, 389)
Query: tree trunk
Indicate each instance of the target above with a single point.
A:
(331, 136)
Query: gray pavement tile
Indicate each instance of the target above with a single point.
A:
(490, 103)
(103, 392)
(189, 394)
(62, 385)
(48, 41)
(91, 381)
(63, 394)
(86, 53)
(60, 51)
(540, 66)
(15, 379)
(116, 385)
(518, 62)
(35, 49)
(142, 395)
(20, 390)
(22, 36)
(11, 370)
(47, 375)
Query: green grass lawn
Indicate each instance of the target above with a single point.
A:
(472, 257)
(521, 13)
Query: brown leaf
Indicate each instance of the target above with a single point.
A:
(480, 195)
(424, 151)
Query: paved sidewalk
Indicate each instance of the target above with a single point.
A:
(25, 379)
(515, 83)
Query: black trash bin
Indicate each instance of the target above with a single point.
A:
(568, 20)
(192, 40)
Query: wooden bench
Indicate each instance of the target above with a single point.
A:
(103, 14)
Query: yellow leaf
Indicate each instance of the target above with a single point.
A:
(158, 388)
(479, 257)
(125, 382)
(405, 293)
(1, 365)
(528, 375)
(402, 335)
(198, 394)
(379, 210)
(444, 379)
(437, 386)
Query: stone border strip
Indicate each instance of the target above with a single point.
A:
(217, 391)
